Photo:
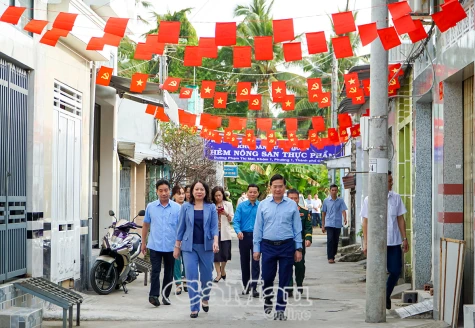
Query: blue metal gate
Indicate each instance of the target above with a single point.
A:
(13, 142)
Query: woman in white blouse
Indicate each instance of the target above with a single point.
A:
(225, 217)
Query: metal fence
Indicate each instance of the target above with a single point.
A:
(13, 143)
(124, 201)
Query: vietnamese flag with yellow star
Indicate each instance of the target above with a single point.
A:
(138, 82)
(288, 103)
(220, 99)
(278, 91)
(207, 89)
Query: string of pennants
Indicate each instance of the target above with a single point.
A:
(450, 14)
(210, 124)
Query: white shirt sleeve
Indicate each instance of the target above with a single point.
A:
(364, 208)
(401, 209)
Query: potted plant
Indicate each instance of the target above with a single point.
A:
(360, 234)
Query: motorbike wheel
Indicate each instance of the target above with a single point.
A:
(102, 284)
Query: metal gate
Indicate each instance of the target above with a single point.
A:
(13, 142)
(124, 202)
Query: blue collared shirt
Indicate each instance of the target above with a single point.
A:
(163, 222)
(333, 212)
(245, 216)
(277, 221)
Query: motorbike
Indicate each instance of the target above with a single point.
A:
(114, 267)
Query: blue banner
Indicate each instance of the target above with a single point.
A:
(225, 152)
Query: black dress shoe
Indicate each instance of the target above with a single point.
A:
(255, 293)
(205, 308)
(245, 292)
(268, 306)
(154, 300)
(166, 301)
(224, 277)
(388, 304)
(280, 315)
(194, 315)
(300, 290)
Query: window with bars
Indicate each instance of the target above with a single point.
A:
(68, 99)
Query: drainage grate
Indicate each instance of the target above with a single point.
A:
(144, 267)
(57, 295)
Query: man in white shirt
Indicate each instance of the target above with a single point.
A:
(316, 212)
(396, 237)
(241, 199)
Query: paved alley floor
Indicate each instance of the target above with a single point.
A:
(335, 298)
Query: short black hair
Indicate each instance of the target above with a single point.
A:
(176, 190)
(293, 191)
(333, 186)
(253, 185)
(215, 190)
(277, 177)
(162, 182)
(390, 173)
(205, 185)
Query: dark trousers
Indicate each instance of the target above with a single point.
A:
(168, 263)
(317, 219)
(283, 255)
(299, 270)
(247, 262)
(333, 237)
(394, 268)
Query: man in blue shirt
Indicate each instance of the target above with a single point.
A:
(244, 220)
(161, 218)
(334, 208)
(278, 236)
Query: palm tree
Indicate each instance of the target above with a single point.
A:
(139, 4)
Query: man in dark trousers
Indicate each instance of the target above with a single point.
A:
(278, 236)
(243, 223)
(307, 236)
(334, 208)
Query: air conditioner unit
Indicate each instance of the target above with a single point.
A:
(364, 127)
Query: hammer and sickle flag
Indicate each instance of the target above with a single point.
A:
(243, 91)
(325, 100)
(255, 102)
(104, 76)
(186, 93)
(171, 84)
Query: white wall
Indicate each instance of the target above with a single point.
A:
(134, 124)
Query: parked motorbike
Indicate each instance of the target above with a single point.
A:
(114, 267)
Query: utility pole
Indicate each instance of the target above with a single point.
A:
(334, 105)
(378, 168)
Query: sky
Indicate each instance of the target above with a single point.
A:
(308, 15)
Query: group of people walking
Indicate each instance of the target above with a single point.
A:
(191, 231)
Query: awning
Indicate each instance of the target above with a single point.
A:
(137, 152)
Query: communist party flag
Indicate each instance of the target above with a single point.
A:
(104, 76)
(171, 84)
(243, 91)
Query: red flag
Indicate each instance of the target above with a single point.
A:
(344, 22)
(351, 80)
(333, 135)
(143, 51)
(111, 39)
(442, 20)
(228, 134)
(12, 15)
(395, 68)
(208, 48)
(263, 48)
(366, 113)
(271, 134)
(342, 47)
(65, 21)
(35, 26)
(220, 99)
(312, 136)
(278, 90)
(225, 34)
(292, 51)
(210, 121)
(354, 92)
(292, 137)
(186, 93)
(160, 114)
(116, 26)
(344, 120)
(399, 9)
(393, 83)
(291, 124)
(314, 96)
(169, 32)
(186, 118)
(138, 82)
(304, 144)
(316, 43)
(243, 91)
(325, 100)
(264, 124)
(285, 145)
(419, 33)
(242, 56)
(52, 36)
(318, 123)
(104, 76)
(358, 100)
(237, 123)
(366, 87)
(404, 24)
(192, 56)
(455, 11)
(234, 141)
(283, 30)
(368, 33)
(389, 38)
(255, 102)
(151, 109)
(355, 131)
(207, 89)
(216, 137)
(171, 84)
(314, 85)
(288, 102)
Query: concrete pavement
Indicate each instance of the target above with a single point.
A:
(335, 298)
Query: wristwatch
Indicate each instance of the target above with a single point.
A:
(404, 239)
(299, 249)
